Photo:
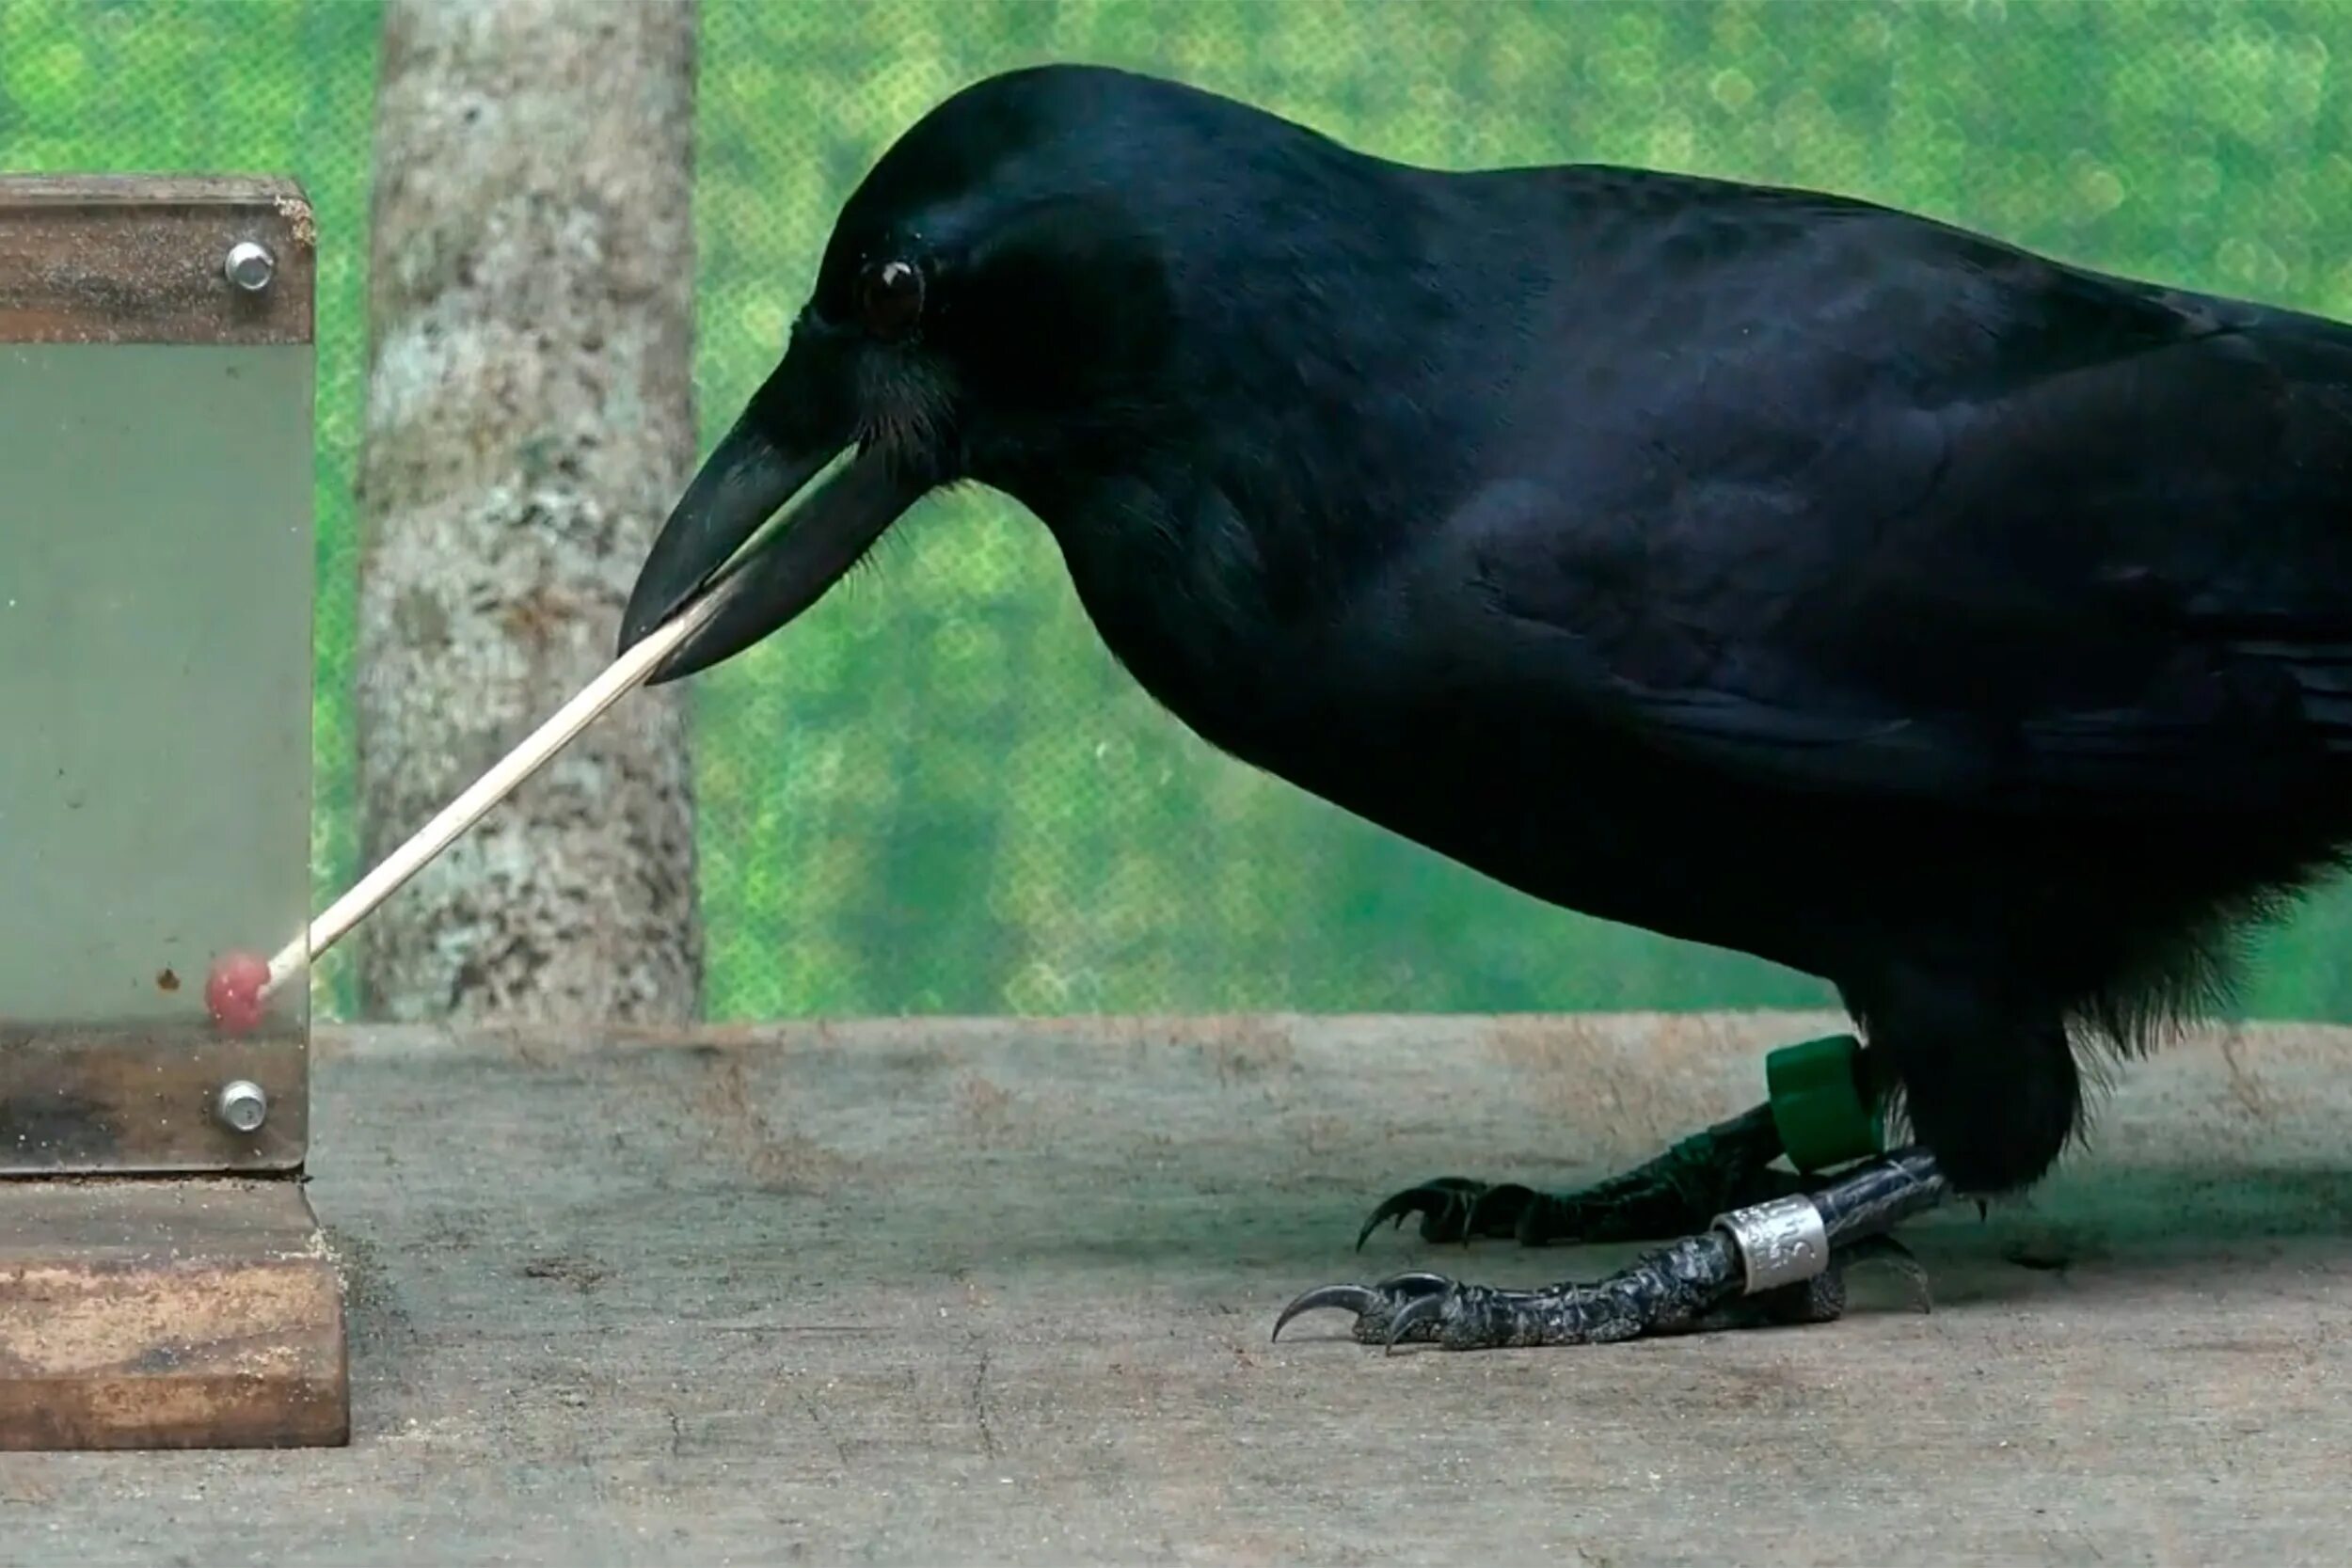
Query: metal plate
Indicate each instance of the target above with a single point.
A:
(141, 260)
(89, 1099)
(156, 585)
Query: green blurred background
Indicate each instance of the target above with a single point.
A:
(937, 794)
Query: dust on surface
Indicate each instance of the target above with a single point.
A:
(987, 1108)
(1635, 1080)
(369, 1297)
(775, 1159)
(579, 1269)
(1244, 1047)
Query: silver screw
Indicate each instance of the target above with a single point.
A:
(241, 1106)
(250, 266)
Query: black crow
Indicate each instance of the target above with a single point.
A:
(1761, 567)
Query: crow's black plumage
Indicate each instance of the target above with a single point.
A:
(1758, 566)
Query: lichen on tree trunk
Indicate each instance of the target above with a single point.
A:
(530, 421)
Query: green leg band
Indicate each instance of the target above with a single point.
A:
(1823, 1114)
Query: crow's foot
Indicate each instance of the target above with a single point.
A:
(1727, 1166)
(1789, 1273)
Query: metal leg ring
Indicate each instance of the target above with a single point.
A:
(1780, 1243)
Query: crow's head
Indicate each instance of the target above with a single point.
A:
(1021, 286)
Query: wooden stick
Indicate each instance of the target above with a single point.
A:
(622, 676)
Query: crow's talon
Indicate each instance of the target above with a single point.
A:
(1690, 1286)
(1358, 1299)
(1727, 1166)
(1382, 1311)
(1503, 1210)
(1455, 1209)
(1443, 1206)
(1669, 1291)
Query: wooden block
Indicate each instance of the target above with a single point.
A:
(140, 259)
(168, 1314)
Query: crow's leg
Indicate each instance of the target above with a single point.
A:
(1727, 1166)
(1778, 1262)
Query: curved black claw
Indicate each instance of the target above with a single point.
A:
(1453, 1209)
(1383, 1312)
(1727, 1166)
(1358, 1299)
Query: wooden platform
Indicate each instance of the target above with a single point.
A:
(962, 1293)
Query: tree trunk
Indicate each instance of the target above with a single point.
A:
(530, 421)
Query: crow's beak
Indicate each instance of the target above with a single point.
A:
(747, 479)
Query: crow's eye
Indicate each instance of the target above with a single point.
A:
(890, 298)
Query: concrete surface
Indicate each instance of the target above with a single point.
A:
(949, 1293)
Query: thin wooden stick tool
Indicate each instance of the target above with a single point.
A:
(621, 676)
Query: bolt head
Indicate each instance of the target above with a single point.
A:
(250, 266)
(242, 1106)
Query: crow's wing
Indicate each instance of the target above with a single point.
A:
(2077, 540)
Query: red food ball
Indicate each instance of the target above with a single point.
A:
(232, 993)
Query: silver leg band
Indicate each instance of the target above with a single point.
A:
(1779, 1242)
